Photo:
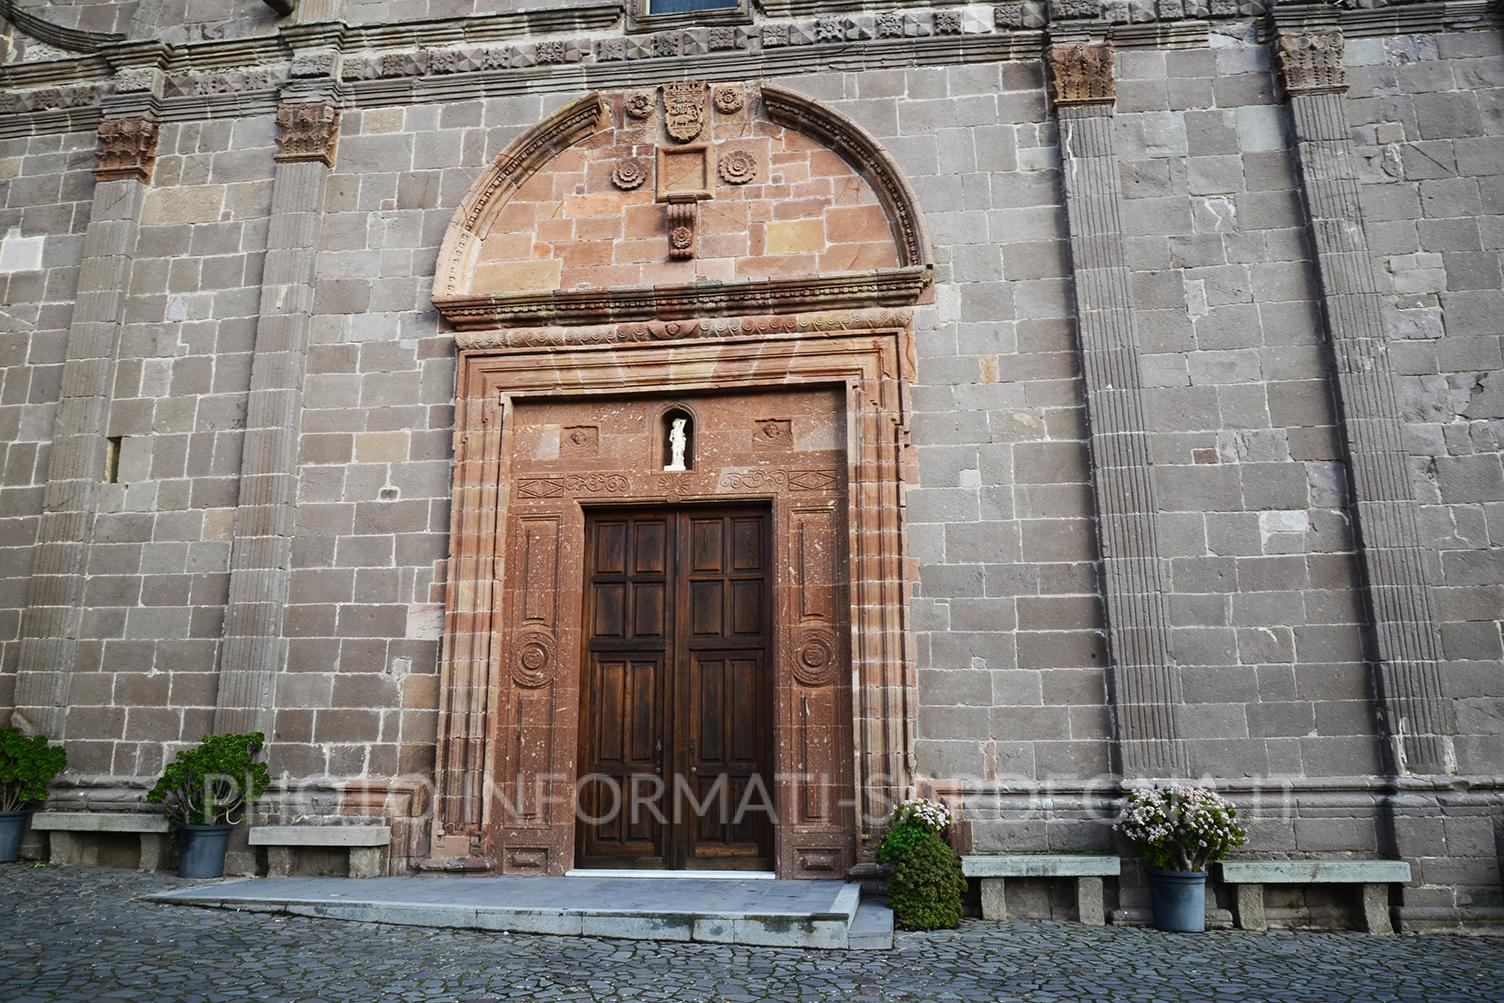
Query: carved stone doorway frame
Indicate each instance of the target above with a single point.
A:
(507, 731)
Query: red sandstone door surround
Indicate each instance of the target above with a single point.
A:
(720, 272)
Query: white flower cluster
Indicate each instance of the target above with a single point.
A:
(931, 814)
(1180, 828)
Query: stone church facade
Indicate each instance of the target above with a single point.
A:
(503, 405)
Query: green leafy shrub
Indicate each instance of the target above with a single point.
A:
(925, 888)
(213, 783)
(914, 819)
(27, 766)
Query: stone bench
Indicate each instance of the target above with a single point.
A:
(1250, 877)
(1088, 870)
(365, 843)
(68, 834)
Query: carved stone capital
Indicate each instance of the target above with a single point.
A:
(307, 132)
(127, 149)
(1083, 73)
(1310, 62)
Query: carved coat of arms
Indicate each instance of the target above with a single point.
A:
(684, 109)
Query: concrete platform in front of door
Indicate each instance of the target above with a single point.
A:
(813, 914)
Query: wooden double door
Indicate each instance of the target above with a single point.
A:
(676, 736)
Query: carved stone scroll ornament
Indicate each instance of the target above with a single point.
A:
(684, 109)
(307, 132)
(127, 149)
(1311, 62)
(738, 168)
(1082, 73)
(682, 219)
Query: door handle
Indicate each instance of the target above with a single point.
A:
(694, 770)
(658, 758)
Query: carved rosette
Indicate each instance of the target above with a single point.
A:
(1311, 62)
(639, 104)
(307, 133)
(682, 217)
(1083, 73)
(629, 174)
(729, 100)
(738, 168)
(815, 658)
(684, 109)
(127, 149)
(534, 663)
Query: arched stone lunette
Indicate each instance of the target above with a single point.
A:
(601, 119)
(872, 161)
(518, 162)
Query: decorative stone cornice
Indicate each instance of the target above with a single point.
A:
(891, 287)
(127, 149)
(1082, 73)
(307, 132)
(1310, 62)
(699, 328)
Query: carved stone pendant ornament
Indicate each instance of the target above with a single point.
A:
(682, 217)
(629, 174)
(729, 100)
(684, 109)
(639, 104)
(738, 168)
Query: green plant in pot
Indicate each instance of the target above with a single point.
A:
(27, 766)
(925, 886)
(206, 791)
(1180, 830)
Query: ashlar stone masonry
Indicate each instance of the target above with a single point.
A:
(1099, 392)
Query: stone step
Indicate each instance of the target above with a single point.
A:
(806, 914)
(871, 927)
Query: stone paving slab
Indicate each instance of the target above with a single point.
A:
(770, 913)
(84, 934)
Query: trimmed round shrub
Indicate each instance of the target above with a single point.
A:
(924, 890)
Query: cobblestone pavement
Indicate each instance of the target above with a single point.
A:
(76, 934)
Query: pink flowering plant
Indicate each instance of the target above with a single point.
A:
(1180, 828)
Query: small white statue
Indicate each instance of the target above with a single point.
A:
(678, 442)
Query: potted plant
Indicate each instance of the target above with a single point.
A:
(206, 791)
(1179, 830)
(27, 766)
(925, 886)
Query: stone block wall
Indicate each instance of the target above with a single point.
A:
(1428, 120)
(1267, 616)
(46, 191)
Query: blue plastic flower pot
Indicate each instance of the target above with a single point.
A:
(12, 825)
(1179, 900)
(201, 850)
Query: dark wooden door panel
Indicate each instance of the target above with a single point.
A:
(678, 697)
